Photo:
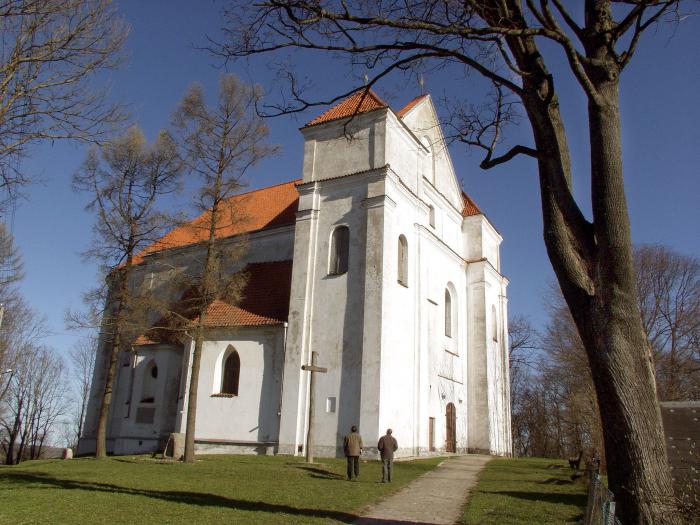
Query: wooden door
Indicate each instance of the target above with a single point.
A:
(451, 434)
(431, 434)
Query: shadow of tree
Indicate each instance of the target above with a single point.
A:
(191, 498)
(578, 500)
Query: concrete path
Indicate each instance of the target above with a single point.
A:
(435, 498)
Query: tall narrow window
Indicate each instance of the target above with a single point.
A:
(340, 247)
(448, 313)
(232, 371)
(431, 216)
(149, 382)
(402, 274)
(494, 324)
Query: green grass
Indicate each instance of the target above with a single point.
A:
(217, 489)
(525, 490)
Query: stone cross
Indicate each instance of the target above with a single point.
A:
(312, 387)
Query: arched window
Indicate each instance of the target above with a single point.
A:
(231, 374)
(448, 313)
(149, 382)
(431, 216)
(494, 324)
(402, 274)
(340, 247)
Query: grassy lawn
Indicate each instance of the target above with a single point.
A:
(217, 489)
(526, 491)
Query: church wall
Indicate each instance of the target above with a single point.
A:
(407, 158)
(252, 415)
(343, 147)
(339, 315)
(397, 394)
(332, 319)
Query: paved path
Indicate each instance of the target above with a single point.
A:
(435, 498)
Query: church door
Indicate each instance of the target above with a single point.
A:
(451, 434)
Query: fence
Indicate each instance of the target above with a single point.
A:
(601, 502)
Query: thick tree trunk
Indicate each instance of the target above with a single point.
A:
(614, 337)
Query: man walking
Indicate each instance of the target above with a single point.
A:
(352, 446)
(387, 446)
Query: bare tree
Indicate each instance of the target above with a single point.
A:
(124, 179)
(501, 40)
(221, 142)
(51, 52)
(668, 287)
(668, 284)
(82, 362)
(36, 393)
(21, 328)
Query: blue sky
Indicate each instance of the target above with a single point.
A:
(660, 111)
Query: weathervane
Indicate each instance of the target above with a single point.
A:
(421, 82)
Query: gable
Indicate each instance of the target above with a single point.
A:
(420, 117)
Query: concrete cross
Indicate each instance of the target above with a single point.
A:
(314, 369)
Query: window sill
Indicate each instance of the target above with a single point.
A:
(224, 395)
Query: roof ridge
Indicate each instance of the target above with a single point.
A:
(362, 100)
(293, 181)
(411, 104)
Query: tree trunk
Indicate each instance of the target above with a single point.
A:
(101, 438)
(206, 292)
(192, 396)
(616, 343)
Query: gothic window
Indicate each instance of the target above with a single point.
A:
(403, 261)
(231, 374)
(448, 313)
(340, 247)
(149, 382)
(494, 324)
(431, 216)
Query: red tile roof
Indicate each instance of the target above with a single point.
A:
(362, 101)
(470, 208)
(265, 298)
(408, 107)
(264, 208)
(265, 301)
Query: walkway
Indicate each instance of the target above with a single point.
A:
(435, 498)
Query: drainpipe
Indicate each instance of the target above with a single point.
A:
(284, 354)
(131, 381)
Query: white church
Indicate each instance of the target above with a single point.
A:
(377, 261)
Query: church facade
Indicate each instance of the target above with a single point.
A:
(376, 261)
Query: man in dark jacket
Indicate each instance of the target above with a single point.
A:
(387, 446)
(352, 446)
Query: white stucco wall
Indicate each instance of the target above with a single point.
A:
(252, 415)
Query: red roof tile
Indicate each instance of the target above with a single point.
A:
(362, 101)
(408, 107)
(470, 208)
(264, 208)
(265, 298)
(265, 301)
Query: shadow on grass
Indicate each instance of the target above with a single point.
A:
(320, 473)
(190, 498)
(578, 500)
